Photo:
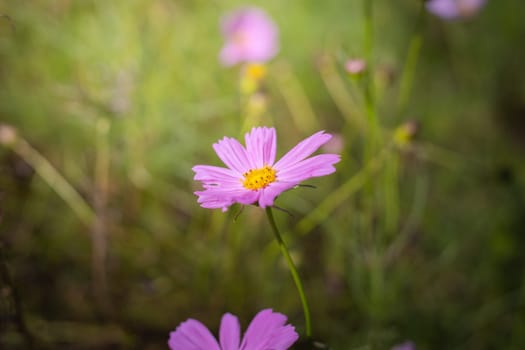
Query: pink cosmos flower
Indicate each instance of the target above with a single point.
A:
(253, 176)
(453, 9)
(268, 330)
(408, 345)
(355, 66)
(251, 36)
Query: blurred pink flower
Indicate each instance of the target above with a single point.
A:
(252, 176)
(355, 66)
(453, 9)
(251, 36)
(268, 330)
(408, 345)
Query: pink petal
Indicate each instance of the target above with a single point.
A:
(230, 55)
(230, 332)
(214, 197)
(215, 175)
(233, 154)
(303, 149)
(192, 335)
(408, 345)
(268, 194)
(268, 331)
(261, 146)
(447, 9)
(284, 338)
(262, 43)
(210, 200)
(319, 165)
(453, 9)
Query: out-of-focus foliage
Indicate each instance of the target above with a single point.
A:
(123, 97)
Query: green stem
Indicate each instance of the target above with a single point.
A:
(407, 77)
(370, 97)
(100, 228)
(293, 271)
(414, 49)
(369, 28)
(55, 180)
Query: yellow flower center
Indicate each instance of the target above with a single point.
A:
(255, 71)
(256, 179)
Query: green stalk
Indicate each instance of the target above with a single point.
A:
(54, 179)
(369, 49)
(99, 229)
(407, 77)
(414, 49)
(293, 271)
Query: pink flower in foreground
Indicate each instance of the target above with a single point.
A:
(253, 176)
(453, 9)
(251, 36)
(268, 330)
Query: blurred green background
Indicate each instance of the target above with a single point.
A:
(418, 240)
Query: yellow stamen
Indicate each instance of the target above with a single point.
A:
(255, 71)
(256, 179)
